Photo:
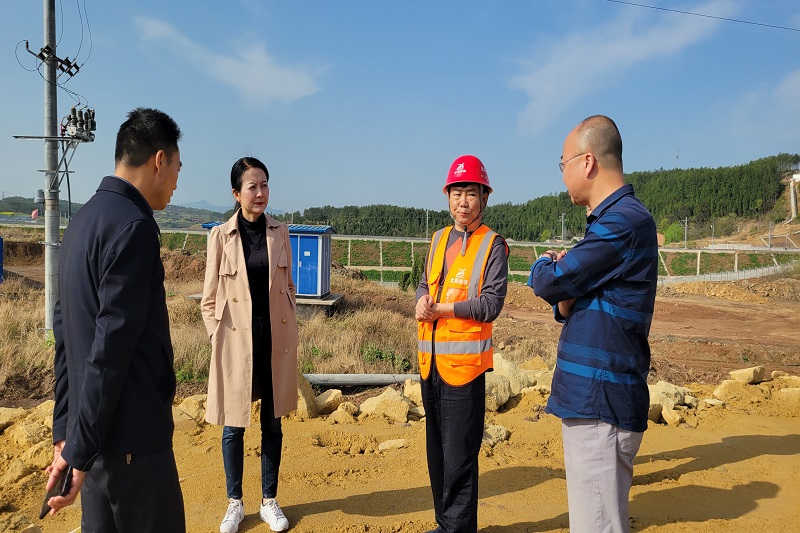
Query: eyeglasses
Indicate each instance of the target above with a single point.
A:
(564, 163)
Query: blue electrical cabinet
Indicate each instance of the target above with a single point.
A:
(311, 259)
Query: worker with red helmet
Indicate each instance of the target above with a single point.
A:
(461, 293)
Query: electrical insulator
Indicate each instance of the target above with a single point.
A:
(72, 123)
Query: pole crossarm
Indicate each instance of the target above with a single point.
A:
(69, 146)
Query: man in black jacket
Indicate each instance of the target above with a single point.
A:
(115, 381)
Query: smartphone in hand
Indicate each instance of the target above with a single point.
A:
(63, 483)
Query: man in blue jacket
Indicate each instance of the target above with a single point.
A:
(115, 382)
(603, 291)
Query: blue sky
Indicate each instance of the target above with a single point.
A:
(357, 103)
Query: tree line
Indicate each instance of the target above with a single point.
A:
(697, 195)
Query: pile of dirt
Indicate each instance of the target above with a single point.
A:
(22, 253)
(343, 271)
(183, 266)
(783, 288)
(726, 290)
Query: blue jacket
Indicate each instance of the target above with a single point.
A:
(115, 380)
(603, 353)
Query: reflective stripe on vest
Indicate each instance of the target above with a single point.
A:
(463, 347)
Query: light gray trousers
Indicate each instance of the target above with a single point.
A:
(598, 458)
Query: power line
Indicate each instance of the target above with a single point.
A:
(773, 26)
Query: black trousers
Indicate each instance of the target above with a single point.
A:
(271, 432)
(454, 430)
(142, 495)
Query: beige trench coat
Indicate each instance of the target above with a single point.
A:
(227, 313)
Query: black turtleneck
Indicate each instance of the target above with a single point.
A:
(256, 258)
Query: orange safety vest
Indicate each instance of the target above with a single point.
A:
(463, 346)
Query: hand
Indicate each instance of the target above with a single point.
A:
(561, 255)
(55, 469)
(424, 309)
(565, 307)
(57, 447)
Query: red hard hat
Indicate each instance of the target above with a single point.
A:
(467, 169)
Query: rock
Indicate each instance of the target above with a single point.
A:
(734, 390)
(28, 432)
(43, 414)
(664, 389)
(328, 401)
(659, 398)
(495, 434)
(39, 456)
(712, 402)
(182, 421)
(782, 382)
(194, 407)
(691, 401)
(517, 378)
(671, 417)
(394, 444)
(498, 391)
(748, 375)
(8, 416)
(789, 395)
(341, 416)
(390, 404)
(416, 413)
(540, 377)
(543, 390)
(654, 412)
(413, 391)
(306, 406)
(15, 471)
(348, 407)
(778, 374)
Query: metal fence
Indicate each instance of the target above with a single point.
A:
(732, 276)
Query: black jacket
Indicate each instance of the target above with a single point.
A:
(115, 380)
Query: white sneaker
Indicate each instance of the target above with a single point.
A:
(271, 514)
(233, 517)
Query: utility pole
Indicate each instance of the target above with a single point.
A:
(769, 242)
(563, 215)
(685, 224)
(426, 223)
(712, 235)
(51, 210)
(79, 127)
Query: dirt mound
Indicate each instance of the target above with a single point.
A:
(345, 272)
(183, 266)
(784, 288)
(726, 290)
(22, 253)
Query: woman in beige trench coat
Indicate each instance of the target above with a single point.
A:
(248, 308)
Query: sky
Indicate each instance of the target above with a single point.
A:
(363, 102)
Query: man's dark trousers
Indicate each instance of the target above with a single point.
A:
(141, 490)
(454, 429)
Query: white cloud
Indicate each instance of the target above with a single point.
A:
(250, 69)
(768, 114)
(570, 69)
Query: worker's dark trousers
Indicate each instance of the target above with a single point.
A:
(454, 430)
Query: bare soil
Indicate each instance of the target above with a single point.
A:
(735, 469)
